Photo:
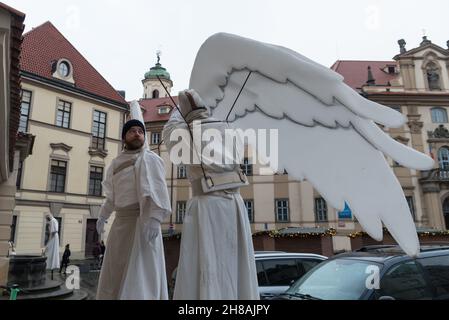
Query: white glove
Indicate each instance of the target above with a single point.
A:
(152, 230)
(100, 225)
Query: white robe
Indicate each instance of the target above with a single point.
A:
(133, 268)
(52, 248)
(217, 255)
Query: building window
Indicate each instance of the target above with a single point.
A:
(25, 111)
(64, 69)
(247, 167)
(443, 158)
(12, 236)
(180, 211)
(155, 94)
(182, 171)
(391, 69)
(282, 210)
(57, 176)
(63, 115)
(249, 204)
(439, 115)
(320, 210)
(163, 110)
(411, 205)
(19, 175)
(155, 137)
(99, 130)
(95, 179)
(446, 212)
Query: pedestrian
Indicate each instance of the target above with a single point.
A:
(65, 259)
(135, 188)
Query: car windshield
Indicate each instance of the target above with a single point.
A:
(339, 279)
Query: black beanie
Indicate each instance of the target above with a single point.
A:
(130, 124)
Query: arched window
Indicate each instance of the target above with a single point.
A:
(439, 115)
(155, 94)
(443, 158)
(446, 212)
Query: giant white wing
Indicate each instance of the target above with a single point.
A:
(327, 131)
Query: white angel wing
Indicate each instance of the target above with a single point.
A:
(327, 133)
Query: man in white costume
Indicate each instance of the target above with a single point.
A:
(217, 256)
(135, 188)
(52, 245)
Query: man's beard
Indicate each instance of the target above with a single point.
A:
(133, 144)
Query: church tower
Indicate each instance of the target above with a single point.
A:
(152, 88)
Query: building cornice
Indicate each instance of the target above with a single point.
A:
(412, 99)
(67, 87)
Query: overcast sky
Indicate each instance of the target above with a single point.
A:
(120, 38)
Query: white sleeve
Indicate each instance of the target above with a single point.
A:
(108, 206)
(153, 188)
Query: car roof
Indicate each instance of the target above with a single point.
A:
(282, 254)
(392, 253)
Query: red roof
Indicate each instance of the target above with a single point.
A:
(151, 107)
(44, 45)
(356, 72)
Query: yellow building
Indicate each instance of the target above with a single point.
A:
(76, 116)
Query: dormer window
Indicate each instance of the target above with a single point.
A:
(391, 69)
(164, 110)
(63, 70)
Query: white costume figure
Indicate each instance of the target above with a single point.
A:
(135, 188)
(337, 145)
(217, 256)
(52, 246)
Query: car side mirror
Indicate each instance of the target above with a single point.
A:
(386, 298)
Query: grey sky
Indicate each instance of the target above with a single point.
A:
(120, 38)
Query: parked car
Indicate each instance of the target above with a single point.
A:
(377, 273)
(276, 270)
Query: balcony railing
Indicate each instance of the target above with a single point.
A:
(436, 175)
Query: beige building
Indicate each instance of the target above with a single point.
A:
(415, 83)
(76, 116)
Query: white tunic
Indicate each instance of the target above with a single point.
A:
(133, 267)
(52, 248)
(217, 256)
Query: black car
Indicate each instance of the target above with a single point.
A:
(377, 273)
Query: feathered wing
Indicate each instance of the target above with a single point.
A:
(327, 133)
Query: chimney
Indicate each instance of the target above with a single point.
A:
(122, 93)
(402, 44)
(371, 81)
